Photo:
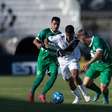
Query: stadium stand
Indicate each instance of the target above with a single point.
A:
(34, 15)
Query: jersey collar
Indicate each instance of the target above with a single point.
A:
(53, 31)
(91, 41)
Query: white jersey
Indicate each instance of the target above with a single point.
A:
(71, 60)
(61, 41)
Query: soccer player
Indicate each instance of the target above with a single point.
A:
(69, 56)
(46, 61)
(99, 65)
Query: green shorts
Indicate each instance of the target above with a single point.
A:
(104, 71)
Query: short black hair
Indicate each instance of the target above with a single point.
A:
(69, 29)
(85, 32)
(55, 18)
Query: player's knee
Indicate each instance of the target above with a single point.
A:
(53, 73)
(53, 76)
(87, 82)
(75, 77)
(103, 88)
(69, 79)
(39, 76)
(74, 73)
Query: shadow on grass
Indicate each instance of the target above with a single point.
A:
(14, 105)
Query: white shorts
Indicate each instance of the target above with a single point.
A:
(66, 66)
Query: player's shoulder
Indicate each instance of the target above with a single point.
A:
(42, 33)
(61, 35)
(96, 38)
(45, 30)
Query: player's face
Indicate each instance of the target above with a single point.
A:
(55, 25)
(84, 40)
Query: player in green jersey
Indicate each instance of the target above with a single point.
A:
(99, 65)
(46, 60)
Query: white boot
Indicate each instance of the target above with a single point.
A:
(76, 100)
(76, 93)
(84, 92)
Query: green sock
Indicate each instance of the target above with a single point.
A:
(49, 84)
(94, 87)
(36, 83)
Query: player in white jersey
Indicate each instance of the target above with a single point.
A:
(68, 57)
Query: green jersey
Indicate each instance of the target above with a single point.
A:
(102, 66)
(98, 44)
(42, 36)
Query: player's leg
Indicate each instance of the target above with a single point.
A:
(74, 90)
(40, 73)
(105, 78)
(75, 75)
(105, 92)
(90, 75)
(74, 68)
(88, 83)
(67, 77)
(53, 68)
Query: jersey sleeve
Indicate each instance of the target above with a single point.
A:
(54, 39)
(41, 36)
(98, 45)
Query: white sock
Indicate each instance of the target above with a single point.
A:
(76, 93)
(83, 90)
(84, 93)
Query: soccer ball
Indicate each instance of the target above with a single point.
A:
(57, 98)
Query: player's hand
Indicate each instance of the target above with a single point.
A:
(85, 67)
(46, 43)
(60, 52)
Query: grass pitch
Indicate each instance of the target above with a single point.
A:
(14, 91)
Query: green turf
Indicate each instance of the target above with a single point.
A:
(14, 92)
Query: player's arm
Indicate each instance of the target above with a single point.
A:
(37, 43)
(52, 42)
(55, 39)
(97, 56)
(99, 52)
(39, 40)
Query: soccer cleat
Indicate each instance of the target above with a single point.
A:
(84, 93)
(42, 98)
(76, 93)
(76, 101)
(106, 100)
(31, 97)
(96, 97)
(86, 98)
